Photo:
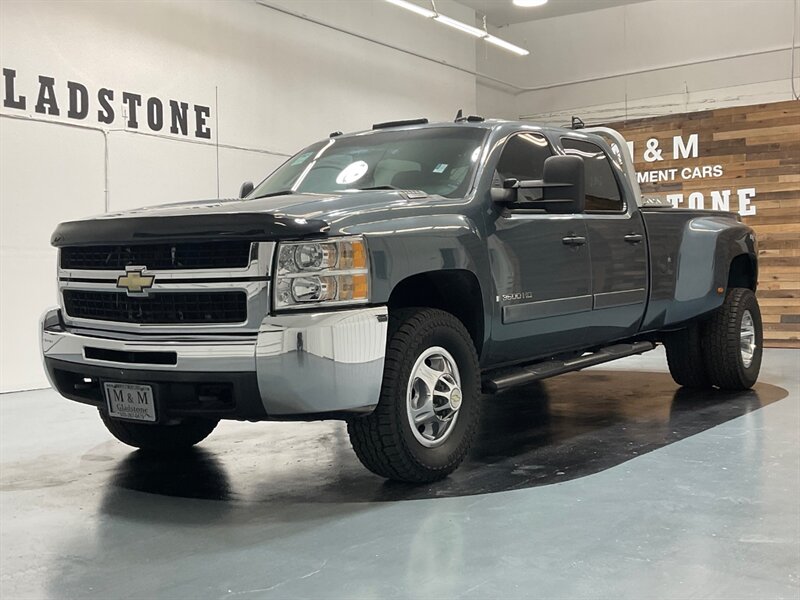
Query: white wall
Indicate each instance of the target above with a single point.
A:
(644, 59)
(281, 81)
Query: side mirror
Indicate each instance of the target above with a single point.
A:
(506, 194)
(246, 188)
(564, 185)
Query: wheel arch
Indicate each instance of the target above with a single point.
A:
(456, 291)
(743, 272)
(436, 260)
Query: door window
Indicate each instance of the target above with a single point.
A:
(602, 190)
(523, 159)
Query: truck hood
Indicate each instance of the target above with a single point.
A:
(291, 216)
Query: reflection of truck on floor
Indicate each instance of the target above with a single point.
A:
(387, 278)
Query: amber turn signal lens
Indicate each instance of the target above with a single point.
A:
(360, 287)
(353, 287)
(359, 256)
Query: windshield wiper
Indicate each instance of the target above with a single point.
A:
(378, 187)
(271, 194)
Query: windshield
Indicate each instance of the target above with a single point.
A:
(435, 160)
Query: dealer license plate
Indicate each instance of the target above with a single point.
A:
(130, 401)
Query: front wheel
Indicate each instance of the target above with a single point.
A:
(160, 438)
(429, 404)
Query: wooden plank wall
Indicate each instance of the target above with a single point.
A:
(757, 147)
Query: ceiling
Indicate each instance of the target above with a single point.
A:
(503, 12)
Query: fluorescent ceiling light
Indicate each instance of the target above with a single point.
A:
(455, 24)
(460, 26)
(428, 14)
(530, 3)
(506, 45)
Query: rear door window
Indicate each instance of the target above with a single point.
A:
(602, 190)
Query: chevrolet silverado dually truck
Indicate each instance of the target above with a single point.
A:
(390, 277)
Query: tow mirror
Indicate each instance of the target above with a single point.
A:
(564, 180)
(506, 194)
(562, 185)
(246, 188)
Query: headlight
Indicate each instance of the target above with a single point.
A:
(334, 271)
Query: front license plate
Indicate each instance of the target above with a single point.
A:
(130, 401)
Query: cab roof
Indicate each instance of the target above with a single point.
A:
(500, 125)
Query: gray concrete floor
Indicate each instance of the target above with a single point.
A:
(712, 515)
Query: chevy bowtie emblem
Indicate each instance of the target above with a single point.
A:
(135, 282)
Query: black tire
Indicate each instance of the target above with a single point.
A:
(686, 359)
(721, 342)
(384, 441)
(160, 438)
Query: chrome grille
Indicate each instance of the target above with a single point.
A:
(182, 301)
(182, 307)
(184, 255)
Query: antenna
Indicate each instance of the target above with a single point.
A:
(459, 115)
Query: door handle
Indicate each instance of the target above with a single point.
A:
(634, 238)
(574, 240)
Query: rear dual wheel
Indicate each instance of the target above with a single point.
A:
(723, 351)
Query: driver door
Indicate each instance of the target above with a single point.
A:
(540, 265)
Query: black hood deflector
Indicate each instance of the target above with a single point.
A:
(254, 227)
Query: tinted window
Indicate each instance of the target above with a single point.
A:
(602, 191)
(437, 160)
(523, 159)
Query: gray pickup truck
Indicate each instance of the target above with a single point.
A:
(388, 278)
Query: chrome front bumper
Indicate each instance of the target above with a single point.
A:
(304, 364)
